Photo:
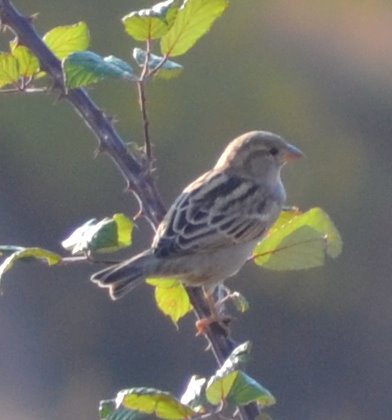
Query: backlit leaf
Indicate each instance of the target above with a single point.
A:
(194, 395)
(151, 23)
(153, 401)
(28, 63)
(171, 298)
(108, 410)
(107, 235)
(237, 388)
(29, 254)
(299, 241)
(193, 20)
(9, 73)
(64, 40)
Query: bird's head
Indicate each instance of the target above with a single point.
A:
(257, 154)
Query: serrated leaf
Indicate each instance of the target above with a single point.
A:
(168, 70)
(193, 20)
(29, 254)
(28, 63)
(108, 410)
(194, 395)
(64, 40)
(153, 401)
(237, 388)
(87, 67)
(8, 69)
(151, 23)
(298, 241)
(107, 235)
(171, 298)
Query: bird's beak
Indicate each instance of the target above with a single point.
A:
(292, 153)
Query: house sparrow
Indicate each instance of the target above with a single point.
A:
(212, 227)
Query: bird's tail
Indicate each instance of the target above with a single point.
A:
(124, 277)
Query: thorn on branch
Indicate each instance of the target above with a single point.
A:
(99, 150)
(32, 17)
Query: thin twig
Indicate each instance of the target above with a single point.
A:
(27, 90)
(158, 66)
(143, 109)
(143, 103)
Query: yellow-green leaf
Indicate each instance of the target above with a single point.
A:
(108, 410)
(106, 235)
(64, 40)
(153, 401)
(218, 388)
(8, 69)
(299, 241)
(151, 23)
(28, 63)
(246, 390)
(124, 229)
(28, 254)
(171, 298)
(193, 20)
(237, 388)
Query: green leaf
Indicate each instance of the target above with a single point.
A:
(298, 241)
(171, 298)
(85, 68)
(28, 63)
(194, 395)
(107, 235)
(64, 40)
(233, 385)
(168, 70)
(237, 388)
(153, 401)
(246, 389)
(28, 254)
(238, 358)
(193, 20)
(9, 73)
(108, 410)
(151, 23)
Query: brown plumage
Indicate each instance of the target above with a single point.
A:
(212, 227)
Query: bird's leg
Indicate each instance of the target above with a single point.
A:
(215, 299)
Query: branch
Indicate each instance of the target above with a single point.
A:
(138, 179)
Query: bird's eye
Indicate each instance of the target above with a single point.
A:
(273, 151)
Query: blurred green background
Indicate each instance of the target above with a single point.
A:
(317, 72)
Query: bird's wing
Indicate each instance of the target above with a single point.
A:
(217, 210)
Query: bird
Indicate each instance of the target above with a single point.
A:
(211, 229)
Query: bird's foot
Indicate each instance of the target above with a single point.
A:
(223, 323)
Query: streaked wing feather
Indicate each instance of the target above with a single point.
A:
(215, 211)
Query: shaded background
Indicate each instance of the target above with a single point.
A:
(317, 72)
